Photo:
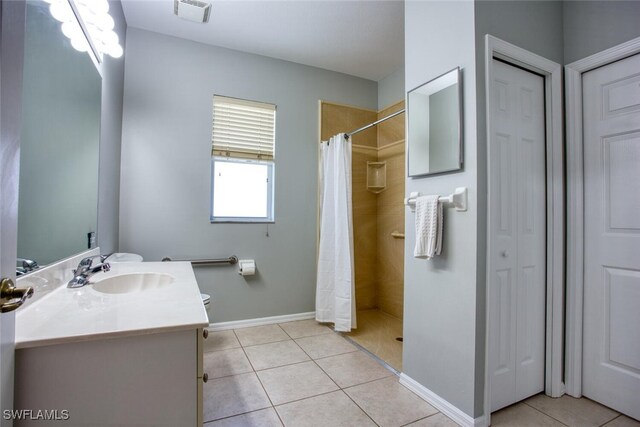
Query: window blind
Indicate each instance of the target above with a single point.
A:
(243, 129)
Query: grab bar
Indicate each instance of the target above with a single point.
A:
(231, 260)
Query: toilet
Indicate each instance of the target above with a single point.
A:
(124, 257)
(206, 300)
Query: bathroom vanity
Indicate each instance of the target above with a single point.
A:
(123, 350)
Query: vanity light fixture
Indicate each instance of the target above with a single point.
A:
(88, 25)
(192, 10)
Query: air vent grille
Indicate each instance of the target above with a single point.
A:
(192, 10)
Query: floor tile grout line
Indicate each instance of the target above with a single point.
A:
(335, 355)
(339, 388)
(278, 366)
(237, 415)
(261, 384)
(283, 366)
(247, 412)
(366, 382)
(385, 378)
(360, 407)
(268, 342)
(319, 367)
(344, 392)
(428, 416)
(305, 398)
(322, 357)
(221, 349)
(231, 375)
(278, 415)
(611, 420)
(328, 376)
(542, 412)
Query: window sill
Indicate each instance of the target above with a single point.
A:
(242, 221)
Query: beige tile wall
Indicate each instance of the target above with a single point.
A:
(379, 258)
(390, 209)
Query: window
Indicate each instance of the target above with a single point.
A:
(242, 160)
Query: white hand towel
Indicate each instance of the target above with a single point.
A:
(428, 227)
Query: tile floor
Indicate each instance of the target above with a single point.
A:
(541, 410)
(303, 374)
(377, 332)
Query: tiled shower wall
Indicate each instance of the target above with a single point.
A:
(390, 214)
(378, 256)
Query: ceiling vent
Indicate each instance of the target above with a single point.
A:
(192, 10)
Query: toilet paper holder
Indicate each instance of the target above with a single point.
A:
(246, 267)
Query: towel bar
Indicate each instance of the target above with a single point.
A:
(458, 199)
(231, 260)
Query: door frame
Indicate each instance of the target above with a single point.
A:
(575, 205)
(552, 74)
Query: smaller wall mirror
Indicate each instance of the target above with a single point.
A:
(434, 125)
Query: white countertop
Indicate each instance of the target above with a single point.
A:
(70, 315)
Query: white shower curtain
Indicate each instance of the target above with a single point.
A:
(335, 286)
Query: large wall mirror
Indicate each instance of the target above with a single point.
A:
(434, 126)
(59, 145)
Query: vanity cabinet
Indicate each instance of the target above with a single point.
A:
(148, 379)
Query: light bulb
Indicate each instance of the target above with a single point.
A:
(109, 38)
(98, 7)
(115, 51)
(97, 21)
(105, 22)
(72, 30)
(61, 10)
(88, 17)
(80, 44)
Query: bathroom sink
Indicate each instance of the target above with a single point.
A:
(133, 282)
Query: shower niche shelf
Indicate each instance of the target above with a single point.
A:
(376, 176)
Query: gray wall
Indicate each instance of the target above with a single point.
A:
(441, 356)
(110, 140)
(534, 25)
(537, 27)
(445, 298)
(391, 89)
(593, 26)
(440, 338)
(165, 173)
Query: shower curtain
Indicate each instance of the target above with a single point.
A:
(335, 285)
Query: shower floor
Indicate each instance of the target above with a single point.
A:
(377, 332)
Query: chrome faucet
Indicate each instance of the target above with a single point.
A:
(86, 269)
(24, 266)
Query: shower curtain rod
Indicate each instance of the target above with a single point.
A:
(375, 123)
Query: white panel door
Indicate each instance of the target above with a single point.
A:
(517, 227)
(611, 334)
(12, 15)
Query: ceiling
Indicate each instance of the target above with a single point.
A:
(356, 37)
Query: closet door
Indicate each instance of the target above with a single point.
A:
(611, 338)
(517, 227)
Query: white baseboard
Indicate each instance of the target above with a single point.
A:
(237, 324)
(441, 404)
